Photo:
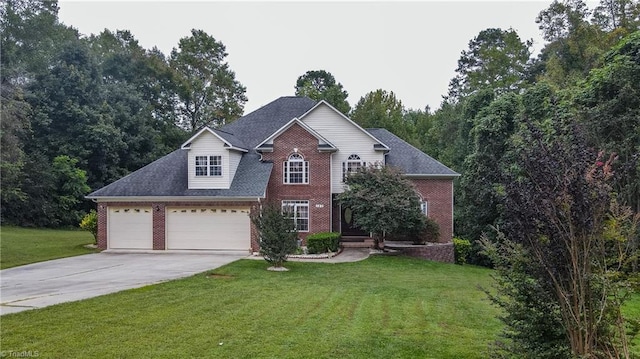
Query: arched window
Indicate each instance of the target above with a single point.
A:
(352, 164)
(295, 170)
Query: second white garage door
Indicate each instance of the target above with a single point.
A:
(213, 228)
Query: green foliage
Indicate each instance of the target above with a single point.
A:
(534, 327)
(382, 109)
(90, 223)
(323, 242)
(383, 201)
(321, 85)
(278, 236)
(558, 201)
(208, 91)
(608, 102)
(496, 59)
(429, 234)
(461, 248)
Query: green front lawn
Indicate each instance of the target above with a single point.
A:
(383, 307)
(19, 246)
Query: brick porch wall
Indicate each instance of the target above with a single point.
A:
(317, 191)
(439, 195)
(159, 218)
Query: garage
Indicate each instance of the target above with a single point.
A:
(130, 228)
(209, 228)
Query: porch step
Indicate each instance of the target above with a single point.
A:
(361, 243)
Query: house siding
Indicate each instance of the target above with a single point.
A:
(347, 137)
(439, 195)
(233, 162)
(209, 145)
(317, 191)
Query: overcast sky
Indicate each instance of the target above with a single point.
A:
(410, 48)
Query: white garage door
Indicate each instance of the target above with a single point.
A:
(208, 228)
(130, 228)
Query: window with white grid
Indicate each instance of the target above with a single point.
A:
(296, 170)
(299, 211)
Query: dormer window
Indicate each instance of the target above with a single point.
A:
(351, 165)
(208, 166)
(296, 170)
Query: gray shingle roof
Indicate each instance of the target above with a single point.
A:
(232, 139)
(167, 177)
(407, 158)
(256, 126)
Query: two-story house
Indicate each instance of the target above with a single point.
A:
(294, 151)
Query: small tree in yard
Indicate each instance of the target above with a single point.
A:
(383, 202)
(90, 223)
(278, 234)
(563, 262)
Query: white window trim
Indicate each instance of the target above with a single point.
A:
(287, 165)
(206, 167)
(424, 207)
(292, 206)
(353, 159)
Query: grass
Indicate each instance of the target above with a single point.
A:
(21, 246)
(383, 307)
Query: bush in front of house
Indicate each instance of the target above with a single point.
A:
(429, 233)
(278, 236)
(90, 223)
(323, 242)
(461, 248)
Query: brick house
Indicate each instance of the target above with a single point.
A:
(294, 151)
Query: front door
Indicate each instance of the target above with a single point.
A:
(348, 226)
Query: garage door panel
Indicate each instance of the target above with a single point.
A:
(208, 228)
(130, 228)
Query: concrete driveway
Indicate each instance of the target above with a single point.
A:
(69, 279)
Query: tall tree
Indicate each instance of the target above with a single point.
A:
(482, 193)
(617, 14)
(575, 45)
(321, 85)
(382, 109)
(208, 91)
(30, 35)
(609, 105)
(140, 87)
(496, 59)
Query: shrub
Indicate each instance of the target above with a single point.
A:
(90, 223)
(323, 242)
(278, 237)
(461, 248)
(430, 232)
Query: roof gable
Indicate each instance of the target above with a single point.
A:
(379, 146)
(256, 126)
(230, 141)
(322, 142)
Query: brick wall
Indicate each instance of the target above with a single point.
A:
(102, 226)
(159, 217)
(439, 195)
(317, 191)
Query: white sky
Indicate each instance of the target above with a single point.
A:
(410, 48)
